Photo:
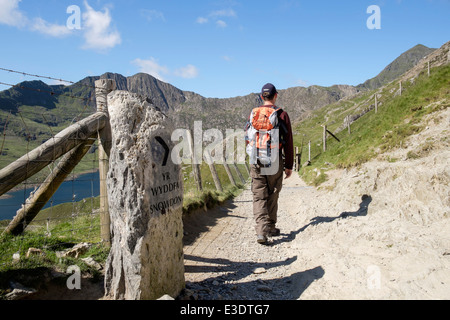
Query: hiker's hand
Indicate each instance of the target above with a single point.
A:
(288, 173)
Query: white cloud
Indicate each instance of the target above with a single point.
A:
(99, 35)
(160, 72)
(301, 82)
(98, 32)
(201, 20)
(54, 30)
(223, 13)
(58, 83)
(152, 67)
(187, 72)
(10, 13)
(216, 15)
(221, 23)
(152, 15)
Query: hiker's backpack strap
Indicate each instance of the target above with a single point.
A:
(282, 126)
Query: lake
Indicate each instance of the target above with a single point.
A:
(84, 186)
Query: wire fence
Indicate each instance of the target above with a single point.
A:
(72, 214)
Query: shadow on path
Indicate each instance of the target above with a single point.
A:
(201, 220)
(236, 270)
(361, 212)
(225, 275)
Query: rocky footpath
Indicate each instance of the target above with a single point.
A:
(380, 231)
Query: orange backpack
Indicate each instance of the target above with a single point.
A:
(263, 134)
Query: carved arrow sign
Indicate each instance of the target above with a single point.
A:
(166, 149)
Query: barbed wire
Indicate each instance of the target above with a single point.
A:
(46, 77)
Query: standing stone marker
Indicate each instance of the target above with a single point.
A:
(145, 195)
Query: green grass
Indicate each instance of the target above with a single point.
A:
(59, 236)
(61, 227)
(398, 118)
(69, 224)
(194, 199)
(209, 196)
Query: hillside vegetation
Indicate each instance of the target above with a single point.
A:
(398, 117)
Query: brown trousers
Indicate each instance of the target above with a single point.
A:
(266, 190)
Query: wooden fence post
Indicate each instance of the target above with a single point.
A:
(195, 163)
(239, 173)
(37, 159)
(102, 88)
(324, 138)
(230, 175)
(39, 199)
(348, 125)
(376, 103)
(247, 168)
(213, 171)
(309, 151)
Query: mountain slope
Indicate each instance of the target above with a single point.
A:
(396, 68)
(372, 134)
(29, 93)
(39, 110)
(186, 107)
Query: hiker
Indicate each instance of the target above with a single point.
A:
(268, 134)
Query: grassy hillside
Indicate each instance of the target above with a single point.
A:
(373, 133)
(31, 116)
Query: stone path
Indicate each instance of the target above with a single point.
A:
(224, 261)
(380, 231)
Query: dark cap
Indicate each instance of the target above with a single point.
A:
(268, 90)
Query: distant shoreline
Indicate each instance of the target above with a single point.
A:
(37, 185)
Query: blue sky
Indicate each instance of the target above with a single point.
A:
(217, 48)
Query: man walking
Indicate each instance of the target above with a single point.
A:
(269, 133)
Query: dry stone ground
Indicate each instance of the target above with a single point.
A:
(380, 231)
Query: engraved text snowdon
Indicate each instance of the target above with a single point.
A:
(163, 205)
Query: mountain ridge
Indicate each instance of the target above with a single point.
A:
(396, 68)
(62, 104)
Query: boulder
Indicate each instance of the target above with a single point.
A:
(34, 252)
(77, 250)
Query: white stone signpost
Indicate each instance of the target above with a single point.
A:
(145, 195)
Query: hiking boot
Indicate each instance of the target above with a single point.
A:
(275, 232)
(261, 239)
